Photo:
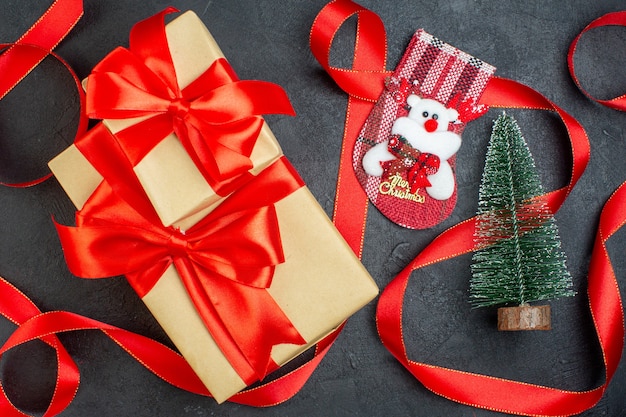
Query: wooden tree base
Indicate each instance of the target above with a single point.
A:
(524, 317)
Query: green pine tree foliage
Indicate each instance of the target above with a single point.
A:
(519, 259)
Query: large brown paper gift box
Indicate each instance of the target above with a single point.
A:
(319, 286)
(161, 172)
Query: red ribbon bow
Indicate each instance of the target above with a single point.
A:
(415, 165)
(226, 262)
(215, 117)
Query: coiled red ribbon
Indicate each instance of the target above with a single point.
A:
(22, 56)
(609, 19)
(156, 357)
(364, 82)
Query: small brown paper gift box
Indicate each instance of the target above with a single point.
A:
(161, 172)
(320, 284)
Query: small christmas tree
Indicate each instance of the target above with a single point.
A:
(519, 258)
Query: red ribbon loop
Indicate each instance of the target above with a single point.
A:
(226, 262)
(21, 57)
(363, 82)
(609, 19)
(366, 78)
(157, 358)
(17, 308)
(33, 325)
(216, 118)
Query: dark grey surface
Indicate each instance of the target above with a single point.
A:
(268, 39)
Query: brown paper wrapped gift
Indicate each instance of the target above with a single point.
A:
(320, 284)
(167, 165)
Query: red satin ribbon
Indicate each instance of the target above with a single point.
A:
(609, 19)
(22, 56)
(215, 117)
(467, 388)
(363, 82)
(506, 395)
(156, 357)
(18, 309)
(33, 324)
(226, 262)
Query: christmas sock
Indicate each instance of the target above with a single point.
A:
(425, 106)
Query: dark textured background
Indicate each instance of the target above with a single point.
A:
(268, 39)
